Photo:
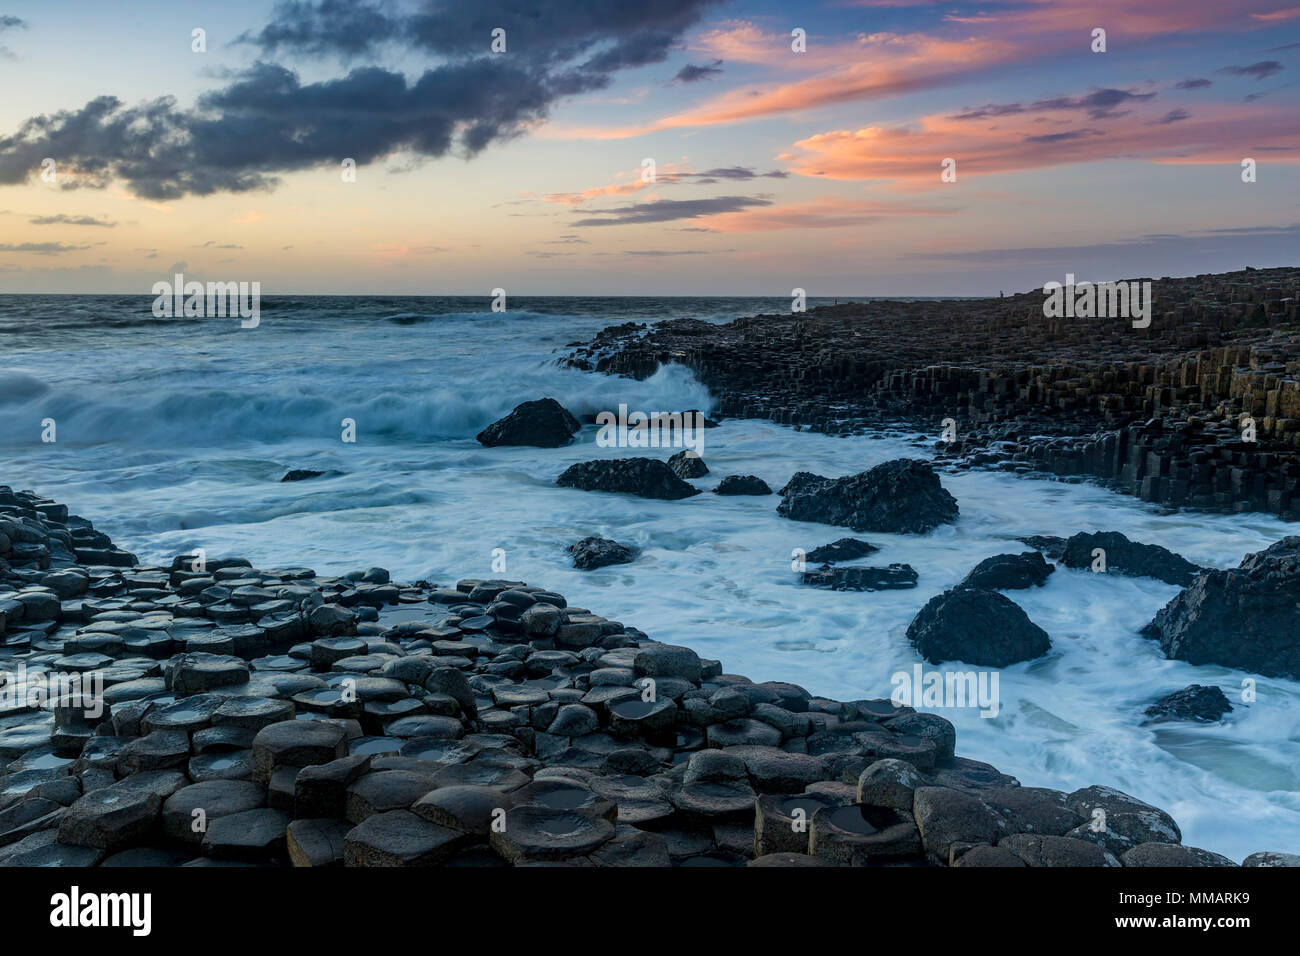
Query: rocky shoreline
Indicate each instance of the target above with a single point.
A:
(1154, 412)
(275, 717)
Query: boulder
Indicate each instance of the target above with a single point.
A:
(1246, 617)
(643, 477)
(845, 549)
(977, 627)
(1004, 572)
(742, 485)
(1129, 557)
(593, 552)
(1193, 702)
(688, 464)
(901, 496)
(544, 423)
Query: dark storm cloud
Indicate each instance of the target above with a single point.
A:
(691, 73)
(267, 122)
(669, 210)
(1260, 71)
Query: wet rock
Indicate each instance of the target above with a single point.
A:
(985, 855)
(688, 464)
(161, 750)
(1193, 702)
(643, 477)
(593, 552)
(536, 833)
(902, 496)
(543, 423)
(318, 843)
(977, 627)
(386, 790)
(250, 835)
(1129, 557)
(296, 743)
(1009, 572)
(893, 578)
(301, 474)
(111, 818)
(850, 833)
(467, 809)
(667, 660)
(1270, 859)
(1037, 850)
(215, 798)
(1125, 818)
(742, 485)
(889, 783)
(782, 823)
(1173, 854)
(1246, 617)
(946, 817)
(845, 549)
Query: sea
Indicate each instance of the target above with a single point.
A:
(172, 434)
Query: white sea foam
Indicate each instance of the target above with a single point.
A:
(173, 447)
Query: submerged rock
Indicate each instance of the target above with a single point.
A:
(544, 423)
(845, 549)
(977, 627)
(893, 578)
(901, 496)
(1246, 617)
(643, 477)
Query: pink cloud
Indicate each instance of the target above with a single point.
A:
(910, 156)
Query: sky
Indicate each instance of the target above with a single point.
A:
(672, 147)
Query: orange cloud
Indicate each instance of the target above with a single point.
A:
(910, 156)
(872, 66)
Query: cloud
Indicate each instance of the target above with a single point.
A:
(8, 22)
(1173, 116)
(908, 155)
(41, 248)
(1290, 13)
(213, 244)
(825, 213)
(71, 221)
(691, 73)
(1098, 103)
(1260, 71)
(267, 121)
(670, 210)
(1194, 84)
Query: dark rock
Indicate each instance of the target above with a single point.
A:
(1246, 617)
(1050, 545)
(845, 549)
(643, 477)
(976, 627)
(896, 577)
(1009, 572)
(1173, 854)
(593, 552)
(1037, 850)
(901, 496)
(688, 464)
(316, 842)
(301, 474)
(110, 818)
(1129, 557)
(544, 423)
(1194, 702)
(742, 485)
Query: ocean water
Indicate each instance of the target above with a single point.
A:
(173, 435)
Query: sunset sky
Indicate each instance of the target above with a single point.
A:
(523, 169)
